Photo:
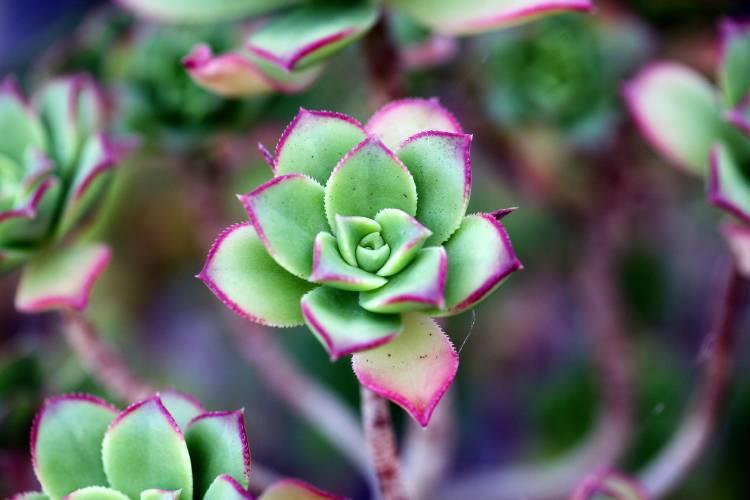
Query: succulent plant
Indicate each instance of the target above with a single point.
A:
(702, 129)
(285, 52)
(165, 447)
(362, 235)
(55, 163)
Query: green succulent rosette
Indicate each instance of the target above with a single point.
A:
(56, 162)
(362, 235)
(166, 447)
(285, 51)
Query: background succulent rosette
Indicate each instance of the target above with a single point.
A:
(55, 162)
(704, 129)
(284, 51)
(165, 447)
(362, 235)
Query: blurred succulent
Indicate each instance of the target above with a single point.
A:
(284, 53)
(702, 129)
(55, 163)
(608, 486)
(165, 447)
(563, 71)
(362, 235)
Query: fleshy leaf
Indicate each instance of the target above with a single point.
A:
(294, 489)
(677, 111)
(398, 120)
(480, 256)
(31, 218)
(182, 406)
(330, 269)
(368, 179)
(342, 326)
(66, 443)
(229, 75)
(246, 279)
(405, 237)
(737, 237)
(61, 278)
(413, 370)
(420, 286)
(144, 448)
(440, 164)
(476, 16)
(306, 35)
(96, 161)
(314, 142)
(287, 213)
(21, 127)
(728, 187)
(218, 445)
(96, 493)
(155, 494)
(734, 66)
(226, 487)
(200, 11)
(349, 231)
(739, 116)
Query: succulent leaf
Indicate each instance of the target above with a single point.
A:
(413, 370)
(349, 232)
(294, 489)
(226, 487)
(182, 406)
(480, 257)
(241, 273)
(728, 187)
(342, 325)
(96, 493)
(228, 75)
(314, 142)
(304, 36)
(330, 269)
(287, 213)
(218, 446)
(420, 286)
(677, 111)
(66, 443)
(21, 127)
(405, 237)
(368, 179)
(398, 120)
(155, 494)
(61, 278)
(144, 448)
(734, 65)
(440, 164)
(476, 16)
(199, 11)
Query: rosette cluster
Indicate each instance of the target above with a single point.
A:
(362, 234)
(55, 161)
(166, 447)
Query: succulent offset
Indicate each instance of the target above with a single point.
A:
(284, 53)
(166, 447)
(55, 163)
(702, 129)
(362, 235)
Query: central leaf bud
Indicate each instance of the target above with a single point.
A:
(372, 252)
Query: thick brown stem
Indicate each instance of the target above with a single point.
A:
(313, 402)
(100, 360)
(685, 448)
(381, 440)
(383, 63)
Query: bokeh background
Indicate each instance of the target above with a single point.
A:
(624, 264)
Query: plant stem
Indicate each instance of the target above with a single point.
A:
(680, 455)
(381, 440)
(100, 360)
(313, 402)
(383, 63)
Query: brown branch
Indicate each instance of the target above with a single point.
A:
(381, 440)
(383, 63)
(100, 360)
(677, 459)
